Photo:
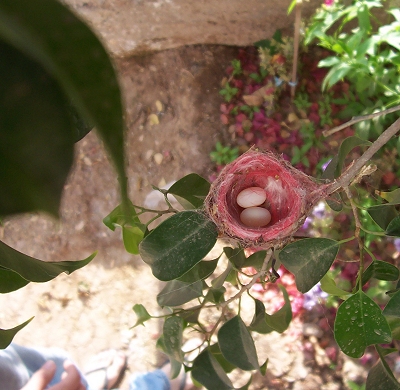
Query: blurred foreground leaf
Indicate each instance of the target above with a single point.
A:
(7, 335)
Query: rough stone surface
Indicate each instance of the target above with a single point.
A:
(135, 26)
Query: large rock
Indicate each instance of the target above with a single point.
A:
(131, 27)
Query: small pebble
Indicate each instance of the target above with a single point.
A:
(255, 217)
(250, 197)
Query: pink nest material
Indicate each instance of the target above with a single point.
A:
(291, 195)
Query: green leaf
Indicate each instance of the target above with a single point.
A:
(328, 62)
(172, 331)
(392, 308)
(328, 285)
(392, 197)
(37, 136)
(117, 218)
(36, 270)
(360, 323)
(178, 244)
(380, 376)
(309, 260)
(337, 73)
(176, 293)
(207, 371)
(237, 345)
(279, 321)
(190, 191)
(7, 335)
(200, 271)
(10, 281)
(51, 34)
(380, 270)
(383, 214)
(216, 295)
(256, 260)
(132, 237)
(393, 229)
(363, 18)
(141, 313)
(216, 352)
(236, 256)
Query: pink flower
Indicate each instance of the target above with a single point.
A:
(329, 3)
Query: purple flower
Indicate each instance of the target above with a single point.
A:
(329, 3)
(324, 166)
(397, 244)
(319, 210)
(314, 296)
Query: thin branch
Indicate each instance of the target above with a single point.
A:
(346, 178)
(357, 119)
(296, 46)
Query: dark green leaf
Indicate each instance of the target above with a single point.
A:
(256, 260)
(190, 191)
(309, 260)
(393, 229)
(51, 34)
(380, 270)
(263, 368)
(172, 331)
(178, 244)
(360, 323)
(216, 351)
(176, 293)
(236, 256)
(36, 132)
(216, 295)
(258, 324)
(392, 308)
(81, 127)
(335, 202)
(380, 376)
(345, 148)
(36, 270)
(7, 335)
(330, 170)
(237, 345)
(141, 314)
(200, 271)
(10, 281)
(190, 315)
(220, 280)
(207, 371)
(383, 214)
(117, 218)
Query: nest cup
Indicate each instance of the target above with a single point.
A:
(290, 196)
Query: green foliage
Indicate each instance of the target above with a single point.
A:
(223, 155)
(56, 77)
(368, 56)
(228, 92)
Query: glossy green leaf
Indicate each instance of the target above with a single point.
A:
(216, 295)
(200, 271)
(258, 323)
(176, 293)
(237, 345)
(335, 202)
(178, 244)
(36, 270)
(380, 270)
(132, 237)
(345, 148)
(328, 285)
(141, 313)
(190, 191)
(7, 335)
(393, 229)
(51, 34)
(383, 214)
(37, 136)
(360, 323)
(191, 316)
(392, 308)
(309, 260)
(220, 280)
(10, 281)
(172, 331)
(208, 372)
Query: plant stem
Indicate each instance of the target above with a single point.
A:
(357, 119)
(351, 172)
(296, 46)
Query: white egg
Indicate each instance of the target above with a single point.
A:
(250, 197)
(255, 217)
